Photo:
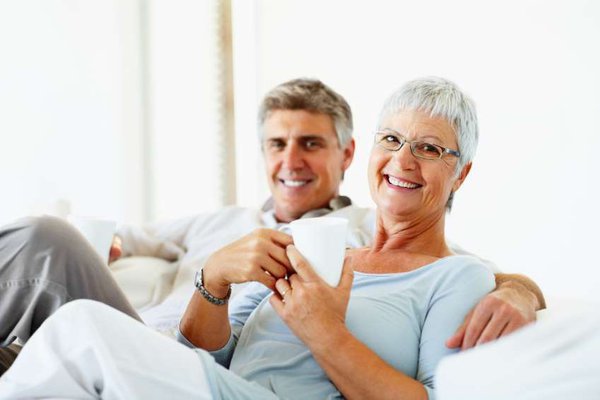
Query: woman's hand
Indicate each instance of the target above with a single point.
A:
(259, 256)
(311, 308)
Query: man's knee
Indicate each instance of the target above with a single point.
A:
(50, 231)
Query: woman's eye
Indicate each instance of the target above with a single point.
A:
(430, 148)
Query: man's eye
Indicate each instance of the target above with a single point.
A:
(276, 145)
(312, 144)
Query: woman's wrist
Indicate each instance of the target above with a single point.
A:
(337, 335)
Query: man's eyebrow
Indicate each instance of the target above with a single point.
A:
(311, 137)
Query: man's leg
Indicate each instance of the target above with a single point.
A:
(7, 356)
(44, 263)
(557, 358)
(89, 350)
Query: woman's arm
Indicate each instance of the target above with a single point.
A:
(359, 373)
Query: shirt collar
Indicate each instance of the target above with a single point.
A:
(270, 221)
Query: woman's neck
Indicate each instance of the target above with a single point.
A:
(419, 235)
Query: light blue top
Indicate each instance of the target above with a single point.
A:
(404, 317)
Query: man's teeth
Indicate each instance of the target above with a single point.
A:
(292, 183)
(398, 182)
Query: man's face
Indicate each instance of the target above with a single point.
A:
(304, 161)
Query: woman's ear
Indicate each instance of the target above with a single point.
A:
(462, 176)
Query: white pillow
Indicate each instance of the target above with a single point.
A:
(146, 281)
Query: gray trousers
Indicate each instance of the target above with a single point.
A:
(45, 263)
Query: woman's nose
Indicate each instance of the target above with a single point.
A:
(404, 157)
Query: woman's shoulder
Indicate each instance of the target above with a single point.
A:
(464, 270)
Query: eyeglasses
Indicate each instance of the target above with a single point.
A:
(393, 141)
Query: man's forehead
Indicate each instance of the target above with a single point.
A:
(300, 136)
(298, 124)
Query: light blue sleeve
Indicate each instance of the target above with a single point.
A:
(459, 289)
(240, 308)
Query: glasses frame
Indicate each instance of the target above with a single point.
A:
(413, 144)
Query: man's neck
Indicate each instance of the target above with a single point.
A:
(334, 204)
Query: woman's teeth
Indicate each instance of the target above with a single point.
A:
(400, 183)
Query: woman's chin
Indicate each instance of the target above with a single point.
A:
(395, 210)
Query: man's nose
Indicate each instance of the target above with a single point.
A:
(293, 157)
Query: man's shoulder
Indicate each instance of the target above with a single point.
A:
(355, 213)
(227, 218)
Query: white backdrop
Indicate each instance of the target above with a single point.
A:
(70, 108)
(531, 202)
(73, 123)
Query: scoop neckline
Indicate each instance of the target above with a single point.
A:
(426, 266)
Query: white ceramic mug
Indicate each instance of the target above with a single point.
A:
(99, 232)
(322, 241)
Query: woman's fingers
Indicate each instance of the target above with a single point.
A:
(301, 265)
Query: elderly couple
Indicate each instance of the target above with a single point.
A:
(405, 299)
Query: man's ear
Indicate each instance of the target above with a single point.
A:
(348, 154)
(461, 178)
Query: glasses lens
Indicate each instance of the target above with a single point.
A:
(427, 150)
(388, 140)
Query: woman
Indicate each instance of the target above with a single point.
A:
(379, 334)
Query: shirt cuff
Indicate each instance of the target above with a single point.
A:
(221, 356)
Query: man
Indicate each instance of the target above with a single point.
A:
(306, 137)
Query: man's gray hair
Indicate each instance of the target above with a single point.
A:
(440, 98)
(309, 95)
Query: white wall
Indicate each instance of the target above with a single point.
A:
(530, 203)
(69, 108)
(109, 106)
(183, 114)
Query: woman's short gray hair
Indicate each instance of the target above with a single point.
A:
(309, 95)
(440, 98)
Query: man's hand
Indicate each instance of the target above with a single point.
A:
(259, 256)
(508, 308)
(116, 249)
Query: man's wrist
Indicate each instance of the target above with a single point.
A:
(523, 293)
(215, 296)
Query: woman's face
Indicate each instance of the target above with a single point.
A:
(408, 187)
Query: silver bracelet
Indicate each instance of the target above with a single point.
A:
(199, 283)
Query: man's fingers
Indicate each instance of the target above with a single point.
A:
(493, 329)
(279, 237)
(279, 254)
(265, 279)
(271, 266)
(511, 327)
(477, 323)
(114, 254)
(116, 249)
(456, 340)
